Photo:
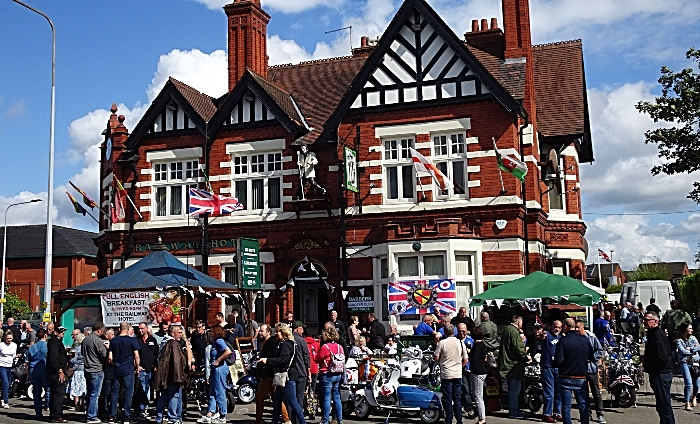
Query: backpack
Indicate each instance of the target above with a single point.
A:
(336, 364)
(231, 359)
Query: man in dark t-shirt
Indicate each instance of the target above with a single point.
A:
(124, 355)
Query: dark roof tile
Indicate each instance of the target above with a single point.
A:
(280, 96)
(29, 241)
(201, 103)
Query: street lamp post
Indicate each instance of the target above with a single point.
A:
(4, 256)
(48, 266)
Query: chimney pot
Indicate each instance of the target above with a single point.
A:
(475, 25)
(484, 25)
(494, 23)
(363, 41)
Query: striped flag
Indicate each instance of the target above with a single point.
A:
(86, 199)
(604, 256)
(422, 164)
(511, 165)
(77, 206)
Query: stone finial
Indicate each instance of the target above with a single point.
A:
(114, 108)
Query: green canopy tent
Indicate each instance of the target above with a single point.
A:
(550, 288)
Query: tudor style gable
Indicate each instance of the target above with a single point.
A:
(419, 59)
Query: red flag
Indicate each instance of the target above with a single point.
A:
(117, 206)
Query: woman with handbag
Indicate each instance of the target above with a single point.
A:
(286, 375)
(8, 350)
(331, 360)
(688, 354)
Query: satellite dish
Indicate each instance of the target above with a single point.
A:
(554, 159)
(585, 249)
(551, 173)
(501, 223)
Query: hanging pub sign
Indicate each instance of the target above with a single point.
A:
(421, 296)
(359, 304)
(137, 307)
(350, 160)
(249, 263)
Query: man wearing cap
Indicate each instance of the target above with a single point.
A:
(304, 374)
(56, 365)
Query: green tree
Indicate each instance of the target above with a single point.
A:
(679, 106)
(14, 306)
(689, 288)
(649, 272)
(613, 289)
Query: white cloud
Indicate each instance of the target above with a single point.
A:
(205, 72)
(17, 109)
(284, 6)
(636, 241)
(621, 174)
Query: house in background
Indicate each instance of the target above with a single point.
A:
(602, 273)
(74, 260)
(677, 270)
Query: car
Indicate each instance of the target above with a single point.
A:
(32, 318)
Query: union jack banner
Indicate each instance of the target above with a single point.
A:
(203, 202)
(420, 296)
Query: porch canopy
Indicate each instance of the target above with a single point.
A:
(550, 288)
(158, 271)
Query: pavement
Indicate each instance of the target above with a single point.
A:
(21, 411)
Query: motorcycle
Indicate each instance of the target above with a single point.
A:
(533, 385)
(198, 390)
(419, 367)
(386, 393)
(247, 386)
(624, 374)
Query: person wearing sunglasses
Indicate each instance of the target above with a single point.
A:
(659, 365)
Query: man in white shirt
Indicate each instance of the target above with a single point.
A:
(451, 353)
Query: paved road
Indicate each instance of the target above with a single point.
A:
(21, 412)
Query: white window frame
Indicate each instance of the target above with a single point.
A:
(398, 157)
(168, 175)
(564, 264)
(465, 279)
(449, 155)
(421, 266)
(270, 168)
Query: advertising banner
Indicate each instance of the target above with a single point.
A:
(138, 307)
(421, 296)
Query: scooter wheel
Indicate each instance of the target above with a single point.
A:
(246, 393)
(230, 401)
(429, 415)
(362, 409)
(534, 402)
(348, 407)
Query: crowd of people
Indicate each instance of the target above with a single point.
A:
(132, 373)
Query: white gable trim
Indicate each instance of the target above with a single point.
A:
(192, 152)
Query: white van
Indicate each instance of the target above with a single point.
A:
(641, 291)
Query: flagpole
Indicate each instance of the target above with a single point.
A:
(419, 181)
(600, 278)
(612, 264)
(98, 222)
(500, 173)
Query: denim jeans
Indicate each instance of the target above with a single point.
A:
(661, 385)
(288, 395)
(126, 381)
(514, 387)
(39, 382)
(93, 380)
(330, 384)
(6, 378)
(689, 383)
(300, 391)
(217, 390)
(467, 400)
(551, 392)
(578, 386)
(172, 398)
(145, 380)
(452, 399)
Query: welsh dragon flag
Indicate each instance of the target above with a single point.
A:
(511, 165)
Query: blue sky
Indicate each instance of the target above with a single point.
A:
(123, 52)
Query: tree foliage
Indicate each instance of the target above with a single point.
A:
(679, 105)
(14, 306)
(649, 272)
(613, 289)
(689, 288)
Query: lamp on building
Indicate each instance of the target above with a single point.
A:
(4, 254)
(48, 265)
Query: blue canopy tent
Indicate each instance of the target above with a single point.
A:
(158, 271)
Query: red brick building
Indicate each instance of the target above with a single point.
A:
(74, 260)
(418, 86)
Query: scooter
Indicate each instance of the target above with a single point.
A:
(533, 385)
(418, 367)
(385, 393)
(247, 386)
(198, 390)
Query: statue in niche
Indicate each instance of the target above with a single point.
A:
(307, 161)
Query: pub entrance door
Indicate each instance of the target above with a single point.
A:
(310, 304)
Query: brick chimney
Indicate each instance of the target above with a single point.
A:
(247, 39)
(516, 26)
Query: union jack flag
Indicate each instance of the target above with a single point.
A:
(604, 256)
(203, 202)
